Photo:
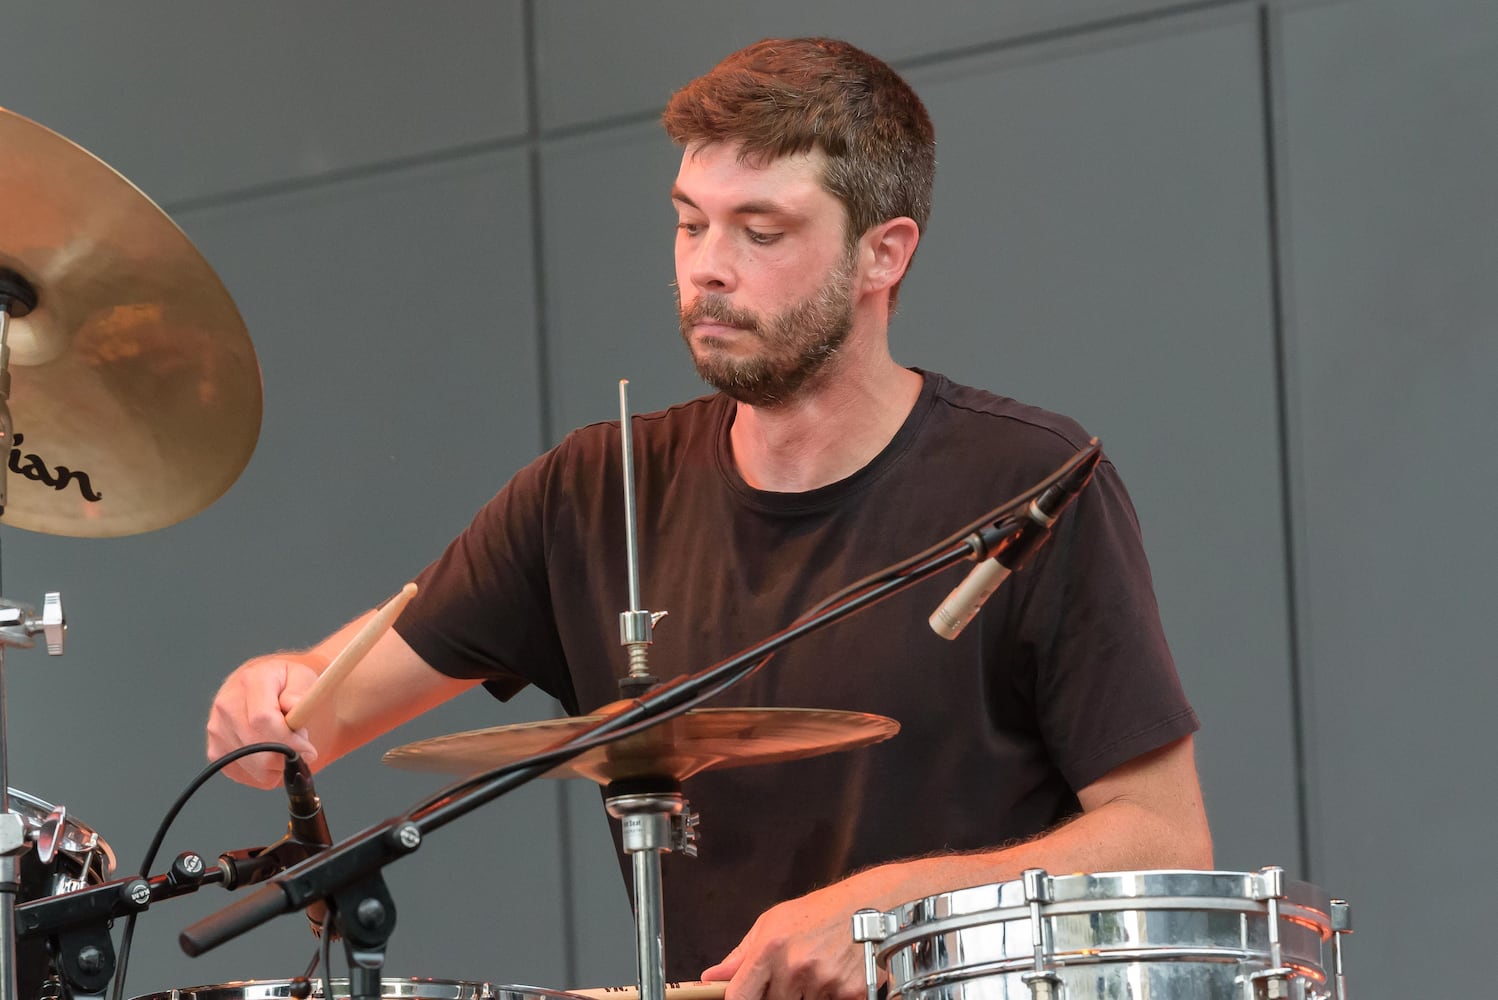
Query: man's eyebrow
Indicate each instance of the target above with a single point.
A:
(744, 208)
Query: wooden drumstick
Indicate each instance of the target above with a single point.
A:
(674, 991)
(346, 660)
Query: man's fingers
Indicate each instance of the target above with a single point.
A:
(727, 967)
(750, 982)
(251, 708)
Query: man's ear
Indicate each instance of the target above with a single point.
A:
(887, 249)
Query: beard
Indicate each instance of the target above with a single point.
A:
(795, 345)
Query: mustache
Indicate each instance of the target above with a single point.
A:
(716, 309)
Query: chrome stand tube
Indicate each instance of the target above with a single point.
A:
(652, 824)
(650, 944)
(637, 625)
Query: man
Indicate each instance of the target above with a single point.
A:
(1053, 733)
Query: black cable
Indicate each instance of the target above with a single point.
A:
(325, 943)
(1009, 511)
(123, 961)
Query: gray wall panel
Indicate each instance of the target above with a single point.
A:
(393, 322)
(196, 99)
(609, 272)
(1099, 246)
(603, 922)
(1391, 155)
(643, 54)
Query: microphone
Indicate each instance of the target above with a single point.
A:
(309, 826)
(969, 596)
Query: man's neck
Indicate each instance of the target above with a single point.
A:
(829, 433)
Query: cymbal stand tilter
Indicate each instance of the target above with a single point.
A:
(654, 816)
(18, 627)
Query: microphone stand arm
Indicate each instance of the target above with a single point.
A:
(77, 923)
(348, 872)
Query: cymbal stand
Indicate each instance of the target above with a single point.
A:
(654, 816)
(18, 627)
(636, 626)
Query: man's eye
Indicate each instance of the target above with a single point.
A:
(763, 239)
(690, 228)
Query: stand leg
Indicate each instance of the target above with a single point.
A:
(12, 846)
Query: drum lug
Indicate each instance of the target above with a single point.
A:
(870, 927)
(1039, 891)
(1341, 926)
(1043, 985)
(1269, 884)
(1278, 984)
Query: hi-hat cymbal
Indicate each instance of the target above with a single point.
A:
(135, 389)
(701, 739)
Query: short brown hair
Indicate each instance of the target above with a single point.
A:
(784, 96)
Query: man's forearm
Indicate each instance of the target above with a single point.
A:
(1117, 836)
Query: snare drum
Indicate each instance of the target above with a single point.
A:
(1113, 936)
(65, 855)
(390, 989)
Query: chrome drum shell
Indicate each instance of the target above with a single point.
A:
(1112, 936)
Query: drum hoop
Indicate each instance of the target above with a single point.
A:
(1293, 912)
(1140, 884)
(41, 807)
(957, 976)
(390, 986)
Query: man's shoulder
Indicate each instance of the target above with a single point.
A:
(682, 423)
(971, 410)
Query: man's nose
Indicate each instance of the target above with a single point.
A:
(711, 267)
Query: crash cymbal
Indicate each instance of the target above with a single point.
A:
(701, 739)
(135, 389)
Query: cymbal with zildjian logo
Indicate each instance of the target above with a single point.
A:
(135, 392)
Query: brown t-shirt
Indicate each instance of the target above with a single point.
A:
(1062, 677)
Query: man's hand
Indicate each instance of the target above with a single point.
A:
(251, 707)
(802, 949)
(1146, 813)
(390, 685)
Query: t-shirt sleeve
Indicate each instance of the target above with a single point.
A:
(483, 609)
(1105, 684)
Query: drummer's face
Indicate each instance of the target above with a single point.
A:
(764, 273)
